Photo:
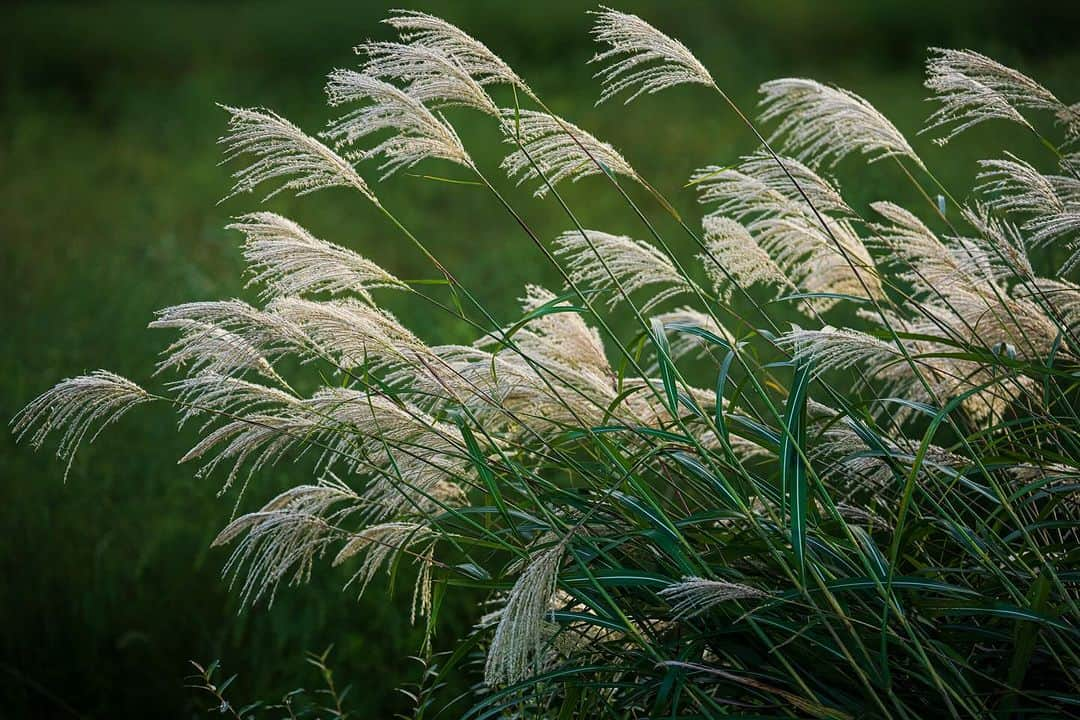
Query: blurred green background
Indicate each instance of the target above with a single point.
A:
(109, 180)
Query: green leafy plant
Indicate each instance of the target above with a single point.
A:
(831, 473)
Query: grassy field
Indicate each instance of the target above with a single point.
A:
(110, 180)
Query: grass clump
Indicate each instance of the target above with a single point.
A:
(831, 471)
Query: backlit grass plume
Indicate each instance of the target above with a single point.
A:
(823, 464)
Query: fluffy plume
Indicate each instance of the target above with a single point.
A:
(283, 539)
(418, 133)
(471, 54)
(817, 259)
(1051, 203)
(284, 153)
(353, 332)
(228, 335)
(973, 88)
(558, 149)
(733, 256)
(212, 349)
(694, 596)
(933, 268)
(813, 243)
(643, 59)
(833, 348)
(619, 264)
(760, 186)
(562, 337)
(289, 260)
(254, 440)
(74, 407)
(210, 392)
(822, 125)
(382, 544)
(432, 77)
(412, 456)
(518, 640)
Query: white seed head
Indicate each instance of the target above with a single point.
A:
(833, 348)
(693, 596)
(76, 406)
(284, 153)
(417, 133)
(822, 125)
(518, 641)
(973, 88)
(643, 59)
(733, 258)
(471, 54)
(288, 260)
(429, 76)
(619, 264)
(551, 150)
(353, 332)
(283, 540)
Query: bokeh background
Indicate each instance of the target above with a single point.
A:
(109, 184)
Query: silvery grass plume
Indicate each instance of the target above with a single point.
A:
(74, 407)
(382, 545)
(827, 261)
(206, 393)
(352, 332)
(552, 150)
(429, 76)
(760, 186)
(206, 347)
(518, 641)
(804, 229)
(973, 88)
(644, 60)
(288, 260)
(283, 539)
(231, 335)
(833, 348)
(469, 53)
(560, 335)
(620, 265)
(733, 258)
(284, 153)
(822, 125)
(417, 133)
(1050, 204)
(693, 596)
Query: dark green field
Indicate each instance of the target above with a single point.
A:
(109, 180)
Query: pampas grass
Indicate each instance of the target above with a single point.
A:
(869, 514)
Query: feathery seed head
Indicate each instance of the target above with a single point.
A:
(551, 150)
(283, 152)
(694, 596)
(431, 77)
(518, 640)
(418, 133)
(973, 88)
(289, 260)
(733, 256)
(620, 264)
(74, 406)
(442, 37)
(822, 125)
(644, 60)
